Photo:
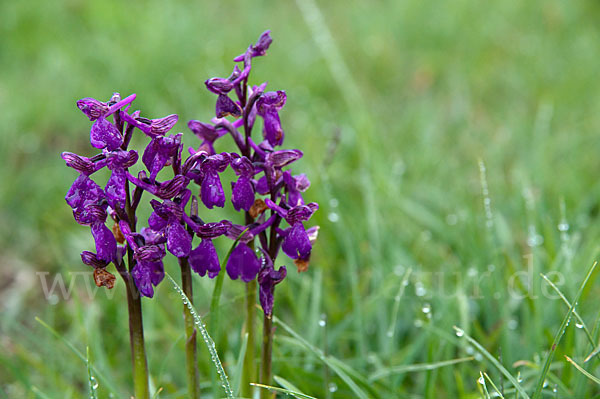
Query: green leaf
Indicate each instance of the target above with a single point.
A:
(561, 331)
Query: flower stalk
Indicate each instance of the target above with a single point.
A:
(249, 366)
(191, 359)
(267, 354)
(136, 339)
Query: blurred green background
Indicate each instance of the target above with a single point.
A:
(407, 112)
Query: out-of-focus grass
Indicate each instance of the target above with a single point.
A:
(440, 86)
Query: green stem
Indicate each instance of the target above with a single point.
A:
(136, 337)
(191, 359)
(267, 351)
(249, 368)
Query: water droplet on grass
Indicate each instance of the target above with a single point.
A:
(420, 289)
(481, 380)
(459, 332)
(334, 202)
(578, 325)
(333, 217)
(332, 387)
(451, 219)
(563, 226)
(426, 308)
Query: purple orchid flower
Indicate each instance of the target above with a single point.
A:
(148, 271)
(162, 151)
(211, 190)
(242, 195)
(103, 133)
(167, 218)
(268, 277)
(268, 107)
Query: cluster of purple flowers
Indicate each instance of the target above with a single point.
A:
(265, 191)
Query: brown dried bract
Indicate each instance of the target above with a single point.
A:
(102, 278)
(257, 208)
(118, 234)
(301, 264)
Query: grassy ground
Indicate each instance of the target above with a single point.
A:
(465, 167)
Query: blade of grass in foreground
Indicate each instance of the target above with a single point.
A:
(583, 371)
(325, 359)
(416, 367)
(566, 301)
(482, 387)
(561, 331)
(207, 339)
(93, 385)
(79, 355)
(487, 377)
(287, 385)
(216, 298)
(282, 390)
(460, 332)
(240, 365)
(39, 393)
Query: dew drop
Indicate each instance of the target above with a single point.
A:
(333, 217)
(563, 226)
(323, 320)
(459, 332)
(53, 299)
(420, 289)
(334, 202)
(399, 270)
(481, 380)
(578, 325)
(426, 308)
(478, 357)
(512, 324)
(519, 378)
(451, 219)
(426, 235)
(332, 387)
(418, 323)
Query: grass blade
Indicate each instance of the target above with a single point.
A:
(325, 359)
(79, 355)
(416, 367)
(482, 387)
(286, 384)
(216, 296)
(487, 377)
(540, 384)
(207, 339)
(395, 310)
(494, 361)
(216, 299)
(39, 393)
(93, 385)
(583, 371)
(282, 390)
(240, 365)
(566, 301)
